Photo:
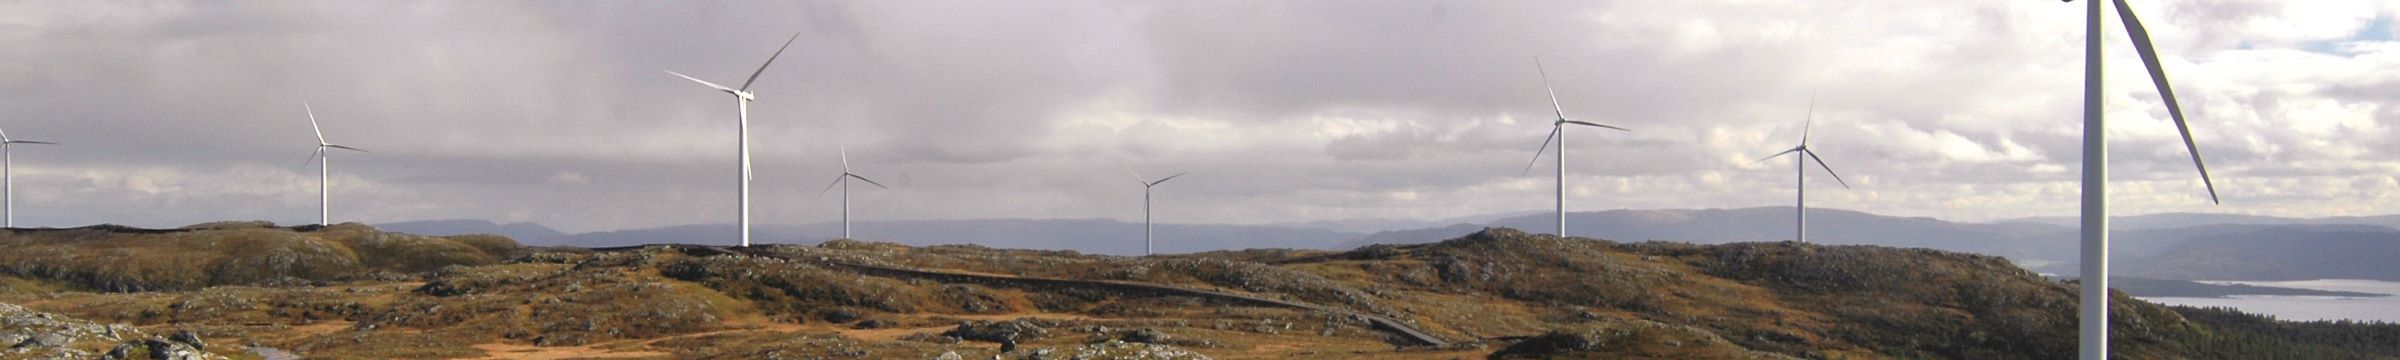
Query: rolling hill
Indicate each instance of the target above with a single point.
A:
(1496, 293)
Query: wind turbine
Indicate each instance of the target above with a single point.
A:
(1559, 136)
(2094, 318)
(1147, 234)
(1800, 163)
(324, 160)
(8, 190)
(742, 96)
(844, 182)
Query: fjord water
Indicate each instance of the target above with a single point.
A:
(2305, 308)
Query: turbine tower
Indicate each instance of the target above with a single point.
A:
(2094, 319)
(324, 160)
(1147, 235)
(742, 97)
(1802, 155)
(1558, 135)
(8, 190)
(844, 182)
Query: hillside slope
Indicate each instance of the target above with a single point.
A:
(117, 258)
(1496, 293)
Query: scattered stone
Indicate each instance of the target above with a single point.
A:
(997, 331)
(869, 324)
(949, 355)
(929, 338)
(188, 338)
(1116, 350)
(121, 352)
(45, 340)
(161, 349)
(840, 315)
(1146, 336)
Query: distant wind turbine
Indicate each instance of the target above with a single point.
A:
(1558, 135)
(2094, 319)
(324, 160)
(1147, 234)
(844, 182)
(1800, 158)
(8, 183)
(742, 96)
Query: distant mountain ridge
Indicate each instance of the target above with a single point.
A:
(2288, 252)
(2166, 246)
(1717, 226)
(1097, 236)
(2180, 220)
(521, 231)
(1368, 226)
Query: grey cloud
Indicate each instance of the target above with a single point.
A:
(475, 108)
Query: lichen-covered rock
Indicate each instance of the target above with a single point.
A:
(1113, 350)
(32, 334)
(1019, 330)
(1145, 336)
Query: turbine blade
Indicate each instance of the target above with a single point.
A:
(1811, 120)
(702, 82)
(1537, 152)
(3, 136)
(1561, 111)
(312, 158)
(869, 181)
(1169, 177)
(2158, 77)
(1588, 123)
(345, 148)
(1772, 157)
(762, 68)
(312, 122)
(31, 142)
(1137, 176)
(837, 181)
(1837, 177)
(845, 159)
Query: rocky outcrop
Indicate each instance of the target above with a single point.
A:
(1113, 349)
(1019, 330)
(32, 334)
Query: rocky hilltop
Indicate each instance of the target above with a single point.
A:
(350, 291)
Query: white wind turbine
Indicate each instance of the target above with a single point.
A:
(1800, 158)
(8, 190)
(324, 160)
(2094, 318)
(844, 182)
(742, 96)
(1147, 238)
(1558, 135)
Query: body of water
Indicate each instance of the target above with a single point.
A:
(2302, 308)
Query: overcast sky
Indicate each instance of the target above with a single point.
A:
(557, 112)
